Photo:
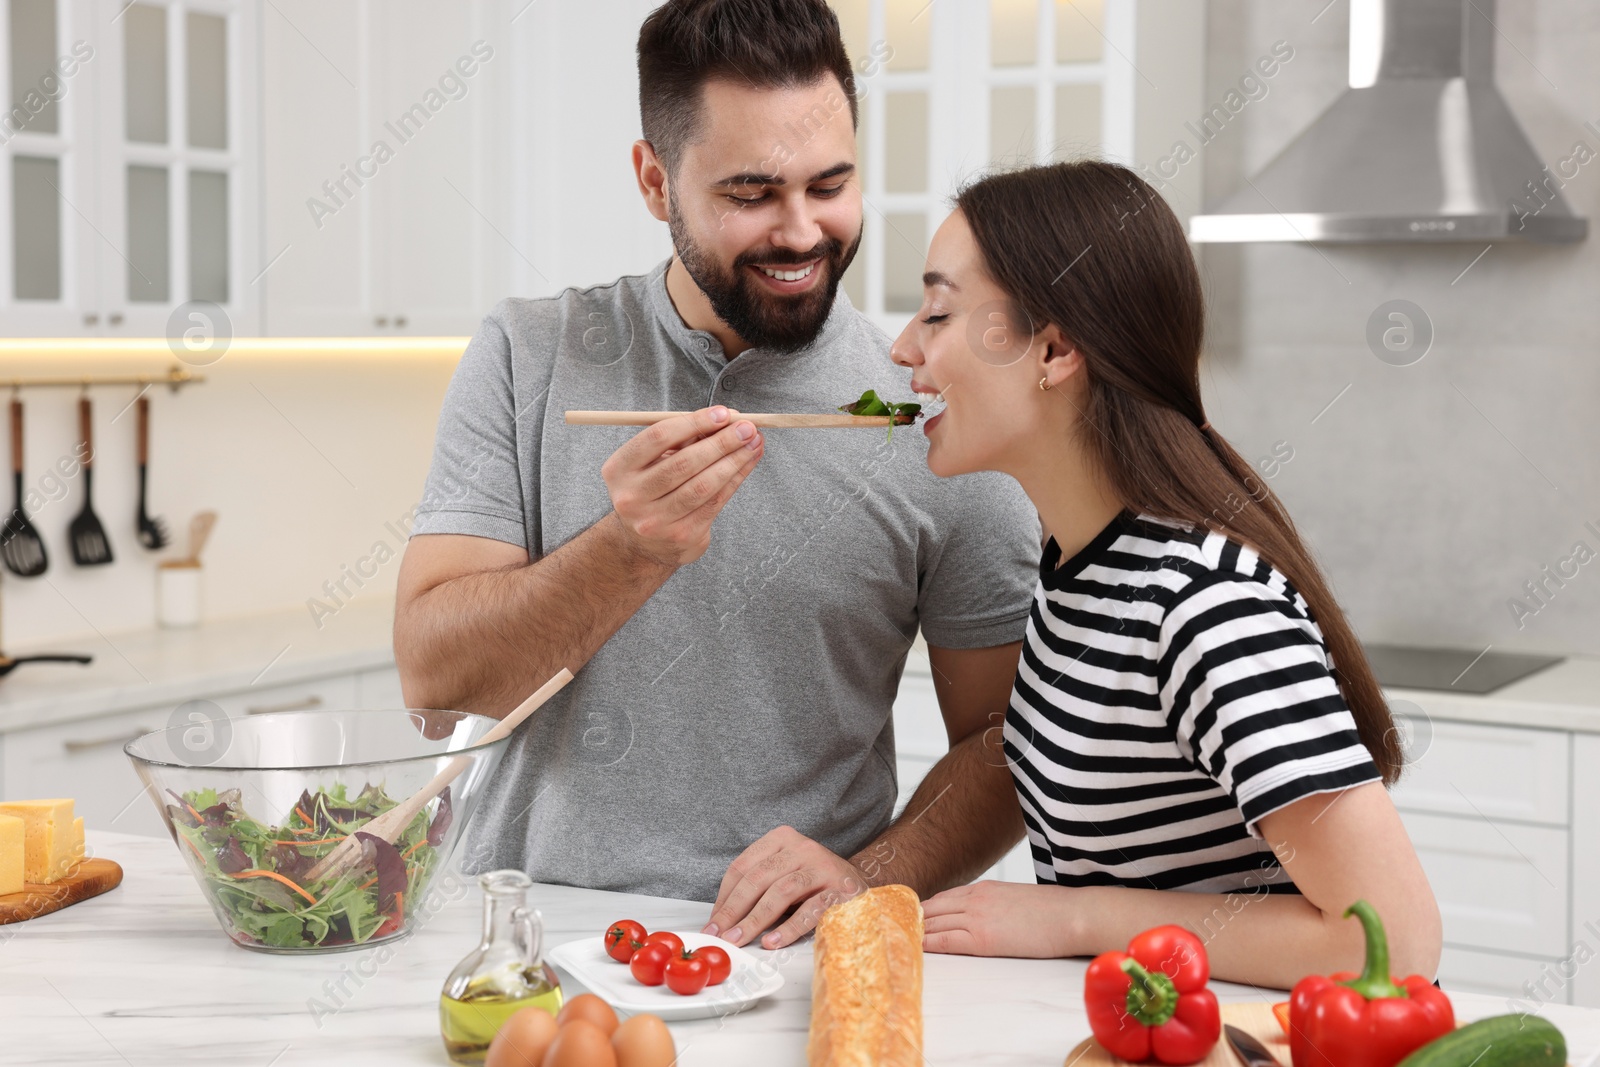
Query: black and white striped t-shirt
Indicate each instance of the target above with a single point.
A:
(1173, 689)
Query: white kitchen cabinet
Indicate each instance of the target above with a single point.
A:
(1499, 885)
(918, 724)
(909, 772)
(1586, 869)
(379, 689)
(84, 759)
(1487, 772)
(920, 741)
(334, 693)
(1498, 974)
(133, 192)
(390, 212)
(1506, 821)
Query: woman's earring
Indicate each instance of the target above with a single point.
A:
(1044, 384)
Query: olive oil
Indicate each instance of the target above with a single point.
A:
(469, 1023)
(503, 975)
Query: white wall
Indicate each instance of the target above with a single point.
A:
(305, 457)
(1432, 492)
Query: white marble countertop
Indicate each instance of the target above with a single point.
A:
(141, 668)
(1563, 697)
(143, 975)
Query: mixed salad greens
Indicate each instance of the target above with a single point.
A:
(870, 403)
(258, 873)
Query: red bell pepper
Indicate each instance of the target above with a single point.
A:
(1345, 1020)
(1153, 1000)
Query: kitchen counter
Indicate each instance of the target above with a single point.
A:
(141, 668)
(144, 975)
(1563, 697)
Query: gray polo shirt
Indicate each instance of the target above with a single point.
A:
(754, 688)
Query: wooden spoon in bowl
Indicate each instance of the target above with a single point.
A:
(347, 854)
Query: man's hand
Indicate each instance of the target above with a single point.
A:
(672, 479)
(783, 871)
(999, 919)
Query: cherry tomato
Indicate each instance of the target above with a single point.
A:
(668, 938)
(717, 963)
(649, 962)
(624, 937)
(687, 973)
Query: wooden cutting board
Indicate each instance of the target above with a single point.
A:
(93, 877)
(1254, 1018)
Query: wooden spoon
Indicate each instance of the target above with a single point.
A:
(347, 854)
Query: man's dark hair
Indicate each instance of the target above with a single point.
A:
(766, 44)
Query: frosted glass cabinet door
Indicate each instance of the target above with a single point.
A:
(177, 185)
(36, 227)
(43, 122)
(144, 73)
(127, 182)
(149, 235)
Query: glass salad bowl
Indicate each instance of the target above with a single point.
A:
(254, 803)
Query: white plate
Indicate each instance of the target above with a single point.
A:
(750, 980)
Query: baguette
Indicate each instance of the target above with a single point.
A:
(866, 983)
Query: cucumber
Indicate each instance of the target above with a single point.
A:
(1499, 1041)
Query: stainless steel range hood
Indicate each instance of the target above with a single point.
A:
(1421, 147)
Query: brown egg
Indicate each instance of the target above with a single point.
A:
(580, 1043)
(644, 1041)
(590, 1008)
(522, 1040)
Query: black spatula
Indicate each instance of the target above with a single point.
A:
(152, 532)
(90, 548)
(21, 547)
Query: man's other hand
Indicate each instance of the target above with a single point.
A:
(783, 874)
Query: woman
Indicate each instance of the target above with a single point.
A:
(1194, 734)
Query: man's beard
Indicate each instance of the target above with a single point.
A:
(764, 319)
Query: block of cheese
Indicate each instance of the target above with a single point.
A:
(866, 982)
(11, 866)
(72, 854)
(49, 837)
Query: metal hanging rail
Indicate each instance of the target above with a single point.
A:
(174, 379)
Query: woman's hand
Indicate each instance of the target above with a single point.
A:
(999, 919)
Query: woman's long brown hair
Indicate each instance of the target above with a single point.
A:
(1090, 247)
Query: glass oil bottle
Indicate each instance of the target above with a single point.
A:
(503, 975)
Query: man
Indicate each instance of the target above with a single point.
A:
(737, 610)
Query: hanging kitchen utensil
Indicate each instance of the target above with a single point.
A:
(199, 533)
(21, 547)
(90, 547)
(11, 663)
(152, 532)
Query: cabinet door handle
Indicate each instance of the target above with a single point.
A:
(90, 318)
(400, 321)
(303, 704)
(115, 318)
(76, 745)
(381, 320)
